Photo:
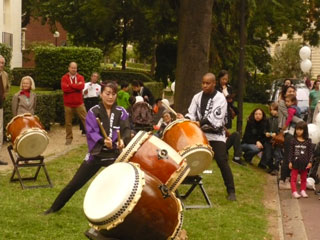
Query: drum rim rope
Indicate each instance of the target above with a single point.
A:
(178, 176)
(190, 148)
(127, 208)
(180, 222)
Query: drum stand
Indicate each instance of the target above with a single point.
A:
(94, 234)
(194, 181)
(21, 162)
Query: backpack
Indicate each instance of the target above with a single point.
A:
(142, 114)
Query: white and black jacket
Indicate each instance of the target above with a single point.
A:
(215, 114)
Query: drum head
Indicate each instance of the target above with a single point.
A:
(113, 194)
(31, 143)
(198, 159)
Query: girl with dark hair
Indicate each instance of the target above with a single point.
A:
(102, 150)
(300, 158)
(254, 136)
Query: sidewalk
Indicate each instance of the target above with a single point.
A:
(55, 148)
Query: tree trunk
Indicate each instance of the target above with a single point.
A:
(243, 39)
(153, 61)
(124, 44)
(193, 50)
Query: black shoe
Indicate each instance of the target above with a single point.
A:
(50, 210)
(232, 197)
(238, 161)
(3, 163)
(273, 172)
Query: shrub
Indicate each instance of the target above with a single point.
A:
(124, 76)
(19, 73)
(156, 88)
(6, 52)
(52, 63)
(256, 88)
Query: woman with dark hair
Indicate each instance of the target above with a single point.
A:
(314, 97)
(102, 150)
(224, 87)
(288, 135)
(254, 136)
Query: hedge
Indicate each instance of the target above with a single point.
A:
(52, 63)
(19, 73)
(256, 88)
(124, 76)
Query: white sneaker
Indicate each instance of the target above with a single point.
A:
(304, 194)
(284, 185)
(296, 195)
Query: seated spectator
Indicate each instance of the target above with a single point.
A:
(25, 100)
(254, 135)
(158, 110)
(140, 90)
(123, 96)
(141, 115)
(166, 120)
(272, 153)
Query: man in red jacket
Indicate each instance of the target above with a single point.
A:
(72, 84)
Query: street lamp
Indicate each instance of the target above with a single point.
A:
(56, 35)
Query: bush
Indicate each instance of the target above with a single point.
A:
(124, 76)
(52, 63)
(19, 73)
(256, 88)
(156, 88)
(6, 52)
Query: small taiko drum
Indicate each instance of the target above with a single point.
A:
(124, 202)
(156, 157)
(26, 133)
(188, 139)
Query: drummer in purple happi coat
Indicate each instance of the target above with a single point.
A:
(102, 151)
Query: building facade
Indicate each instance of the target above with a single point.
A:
(10, 29)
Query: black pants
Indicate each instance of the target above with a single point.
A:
(82, 176)
(285, 171)
(235, 141)
(220, 155)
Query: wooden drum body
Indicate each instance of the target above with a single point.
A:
(27, 135)
(188, 139)
(156, 157)
(124, 202)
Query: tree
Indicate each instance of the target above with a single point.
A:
(193, 49)
(286, 61)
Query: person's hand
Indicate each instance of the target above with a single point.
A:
(309, 165)
(290, 165)
(120, 144)
(85, 91)
(179, 116)
(268, 134)
(259, 145)
(146, 98)
(108, 142)
(273, 135)
(227, 132)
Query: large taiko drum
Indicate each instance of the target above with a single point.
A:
(27, 135)
(188, 139)
(124, 202)
(156, 157)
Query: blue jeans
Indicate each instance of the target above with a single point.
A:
(250, 150)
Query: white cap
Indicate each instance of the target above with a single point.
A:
(166, 102)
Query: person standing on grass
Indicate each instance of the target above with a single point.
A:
(72, 84)
(209, 108)
(103, 151)
(25, 100)
(4, 90)
(91, 93)
(300, 159)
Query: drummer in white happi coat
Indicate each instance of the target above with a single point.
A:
(209, 108)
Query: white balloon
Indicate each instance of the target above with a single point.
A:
(305, 52)
(305, 65)
(314, 133)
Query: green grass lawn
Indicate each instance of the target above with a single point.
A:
(21, 210)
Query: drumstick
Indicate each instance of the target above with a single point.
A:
(119, 137)
(102, 129)
(169, 108)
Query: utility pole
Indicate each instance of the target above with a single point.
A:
(243, 38)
